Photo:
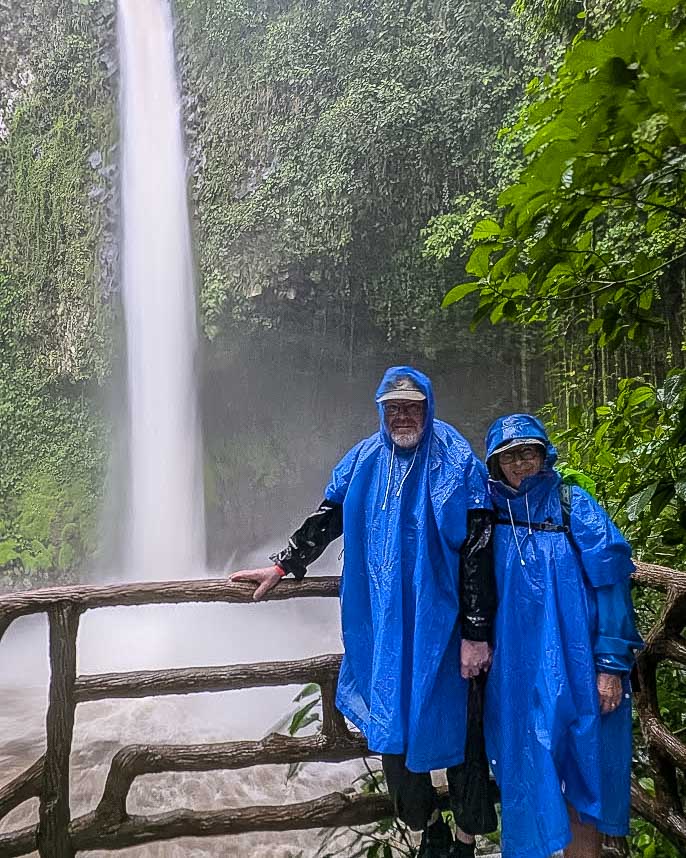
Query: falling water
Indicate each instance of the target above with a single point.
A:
(165, 528)
(166, 524)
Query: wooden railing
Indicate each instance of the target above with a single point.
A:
(666, 752)
(110, 826)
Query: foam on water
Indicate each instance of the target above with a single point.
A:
(125, 639)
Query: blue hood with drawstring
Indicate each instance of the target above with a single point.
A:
(519, 427)
(564, 615)
(404, 522)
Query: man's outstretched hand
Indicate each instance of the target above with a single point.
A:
(475, 656)
(266, 578)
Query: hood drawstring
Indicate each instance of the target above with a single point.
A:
(514, 533)
(390, 476)
(407, 472)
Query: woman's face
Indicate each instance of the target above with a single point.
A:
(521, 462)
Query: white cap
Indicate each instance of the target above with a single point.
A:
(402, 388)
(517, 442)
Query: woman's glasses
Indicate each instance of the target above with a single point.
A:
(522, 454)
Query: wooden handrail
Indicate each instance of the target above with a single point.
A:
(109, 826)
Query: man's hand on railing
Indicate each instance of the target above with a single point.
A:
(267, 577)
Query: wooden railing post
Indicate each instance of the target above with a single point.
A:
(53, 838)
(333, 723)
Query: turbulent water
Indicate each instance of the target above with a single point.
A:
(129, 639)
(166, 537)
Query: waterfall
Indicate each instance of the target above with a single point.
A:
(165, 525)
(166, 529)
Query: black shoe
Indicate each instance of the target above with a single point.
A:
(437, 841)
(462, 850)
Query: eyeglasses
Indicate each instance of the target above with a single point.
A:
(523, 454)
(395, 409)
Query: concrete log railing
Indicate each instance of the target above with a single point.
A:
(110, 827)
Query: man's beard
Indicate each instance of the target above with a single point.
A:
(406, 439)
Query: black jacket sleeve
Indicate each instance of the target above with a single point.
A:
(478, 598)
(310, 539)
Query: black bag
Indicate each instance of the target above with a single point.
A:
(471, 793)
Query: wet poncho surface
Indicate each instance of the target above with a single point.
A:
(404, 521)
(547, 741)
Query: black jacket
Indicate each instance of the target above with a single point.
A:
(477, 580)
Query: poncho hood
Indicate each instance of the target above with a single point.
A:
(388, 382)
(515, 426)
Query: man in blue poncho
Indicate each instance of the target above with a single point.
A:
(417, 593)
(558, 704)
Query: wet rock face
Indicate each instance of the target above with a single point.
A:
(15, 75)
(32, 33)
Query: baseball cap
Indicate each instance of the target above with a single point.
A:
(518, 442)
(402, 388)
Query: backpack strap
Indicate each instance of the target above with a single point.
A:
(566, 508)
(548, 526)
(541, 526)
(566, 505)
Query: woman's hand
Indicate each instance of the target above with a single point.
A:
(609, 692)
(266, 578)
(475, 656)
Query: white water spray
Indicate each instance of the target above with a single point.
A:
(165, 527)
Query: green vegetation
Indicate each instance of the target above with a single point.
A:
(350, 164)
(325, 140)
(578, 238)
(596, 215)
(54, 324)
(633, 448)
(585, 244)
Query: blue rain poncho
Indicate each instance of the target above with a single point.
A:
(405, 519)
(564, 615)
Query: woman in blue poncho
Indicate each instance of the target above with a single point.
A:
(558, 706)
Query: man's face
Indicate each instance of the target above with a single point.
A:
(404, 420)
(521, 462)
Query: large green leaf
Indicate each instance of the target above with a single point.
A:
(639, 501)
(457, 293)
(479, 261)
(486, 229)
(641, 395)
(663, 7)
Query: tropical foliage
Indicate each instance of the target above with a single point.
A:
(55, 263)
(325, 142)
(597, 212)
(634, 448)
